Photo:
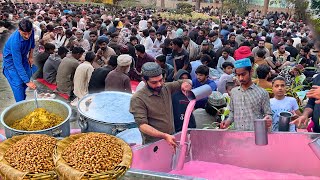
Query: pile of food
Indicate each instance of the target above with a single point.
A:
(34, 153)
(38, 119)
(94, 153)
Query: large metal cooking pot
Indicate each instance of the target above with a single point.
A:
(106, 112)
(21, 109)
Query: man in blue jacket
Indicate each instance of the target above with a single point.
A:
(17, 59)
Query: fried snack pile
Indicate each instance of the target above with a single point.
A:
(38, 119)
(94, 153)
(33, 153)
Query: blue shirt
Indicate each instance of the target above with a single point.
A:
(195, 83)
(15, 55)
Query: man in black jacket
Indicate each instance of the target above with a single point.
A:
(312, 108)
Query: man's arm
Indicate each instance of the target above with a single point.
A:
(149, 130)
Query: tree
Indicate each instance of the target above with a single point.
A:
(237, 6)
(266, 6)
(315, 6)
(162, 5)
(198, 5)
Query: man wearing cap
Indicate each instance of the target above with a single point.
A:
(60, 37)
(118, 79)
(248, 101)
(16, 61)
(151, 106)
(104, 52)
(80, 41)
(66, 71)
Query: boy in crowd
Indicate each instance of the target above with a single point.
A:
(281, 103)
(180, 103)
(202, 78)
(227, 76)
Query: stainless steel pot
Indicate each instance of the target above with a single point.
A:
(21, 109)
(106, 112)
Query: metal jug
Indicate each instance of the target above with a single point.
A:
(284, 121)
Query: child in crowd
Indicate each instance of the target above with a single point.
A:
(281, 103)
(227, 76)
(202, 73)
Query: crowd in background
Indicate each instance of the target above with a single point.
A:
(88, 49)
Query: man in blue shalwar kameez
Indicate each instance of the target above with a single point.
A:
(17, 59)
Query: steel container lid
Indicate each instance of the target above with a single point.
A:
(108, 107)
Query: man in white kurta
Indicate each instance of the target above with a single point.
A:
(82, 77)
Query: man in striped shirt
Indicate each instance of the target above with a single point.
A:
(248, 101)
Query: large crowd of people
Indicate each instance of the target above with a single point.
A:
(88, 49)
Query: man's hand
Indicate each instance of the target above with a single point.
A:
(314, 93)
(30, 61)
(171, 141)
(225, 124)
(299, 120)
(268, 120)
(186, 87)
(31, 85)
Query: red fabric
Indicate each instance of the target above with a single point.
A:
(134, 85)
(52, 87)
(242, 52)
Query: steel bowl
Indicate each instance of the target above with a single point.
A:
(21, 109)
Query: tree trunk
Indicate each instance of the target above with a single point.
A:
(265, 7)
(162, 5)
(197, 5)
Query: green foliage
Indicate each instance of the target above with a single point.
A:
(240, 7)
(316, 25)
(184, 8)
(315, 6)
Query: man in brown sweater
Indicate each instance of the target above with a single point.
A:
(151, 106)
(118, 79)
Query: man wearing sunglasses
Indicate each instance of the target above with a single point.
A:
(18, 59)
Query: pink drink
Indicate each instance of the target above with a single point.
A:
(183, 146)
(209, 170)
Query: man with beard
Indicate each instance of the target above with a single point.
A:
(232, 40)
(151, 106)
(261, 47)
(118, 79)
(158, 43)
(80, 41)
(104, 52)
(281, 57)
(248, 101)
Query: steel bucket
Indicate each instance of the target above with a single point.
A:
(21, 109)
